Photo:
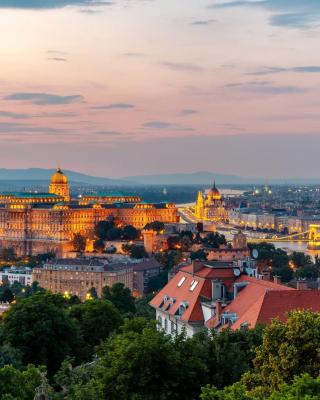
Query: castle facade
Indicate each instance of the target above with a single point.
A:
(34, 223)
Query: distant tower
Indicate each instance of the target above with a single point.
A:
(59, 185)
(149, 239)
(239, 241)
(199, 206)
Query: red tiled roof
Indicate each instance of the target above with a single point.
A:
(183, 293)
(249, 300)
(278, 304)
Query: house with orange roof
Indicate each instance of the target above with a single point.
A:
(215, 295)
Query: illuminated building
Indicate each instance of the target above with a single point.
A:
(77, 276)
(34, 223)
(211, 207)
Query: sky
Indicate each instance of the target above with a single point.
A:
(134, 87)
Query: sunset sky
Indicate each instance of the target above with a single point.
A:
(125, 87)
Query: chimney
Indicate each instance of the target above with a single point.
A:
(302, 284)
(266, 275)
(217, 289)
(218, 309)
(196, 266)
(277, 279)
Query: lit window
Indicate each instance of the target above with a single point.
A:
(193, 285)
(181, 281)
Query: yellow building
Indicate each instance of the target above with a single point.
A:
(210, 207)
(34, 223)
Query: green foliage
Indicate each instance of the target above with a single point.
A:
(99, 246)
(300, 259)
(8, 254)
(139, 366)
(79, 243)
(214, 240)
(10, 356)
(92, 293)
(155, 226)
(19, 385)
(277, 259)
(142, 363)
(78, 383)
(168, 259)
(302, 388)
(135, 251)
(107, 230)
(199, 255)
(102, 228)
(6, 294)
(129, 232)
(158, 282)
(97, 319)
(41, 330)
(287, 350)
(143, 308)
(120, 297)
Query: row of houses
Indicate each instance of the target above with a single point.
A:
(278, 221)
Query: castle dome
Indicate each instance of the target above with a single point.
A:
(59, 178)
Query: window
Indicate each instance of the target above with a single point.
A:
(193, 285)
(160, 322)
(181, 281)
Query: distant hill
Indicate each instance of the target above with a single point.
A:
(195, 178)
(40, 174)
(35, 175)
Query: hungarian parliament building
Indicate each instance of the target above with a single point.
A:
(34, 223)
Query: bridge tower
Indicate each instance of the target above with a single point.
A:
(314, 237)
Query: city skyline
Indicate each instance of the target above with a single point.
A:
(118, 88)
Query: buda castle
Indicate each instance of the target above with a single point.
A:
(34, 223)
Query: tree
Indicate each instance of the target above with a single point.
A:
(214, 240)
(277, 259)
(168, 259)
(302, 388)
(139, 366)
(102, 228)
(288, 349)
(19, 385)
(309, 271)
(158, 282)
(143, 308)
(40, 328)
(79, 243)
(200, 227)
(135, 251)
(6, 294)
(199, 255)
(78, 383)
(129, 232)
(8, 254)
(92, 293)
(97, 319)
(155, 226)
(114, 233)
(120, 297)
(300, 259)
(99, 245)
(10, 356)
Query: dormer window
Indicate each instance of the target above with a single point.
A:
(193, 285)
(166, 298)
(181, 281)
